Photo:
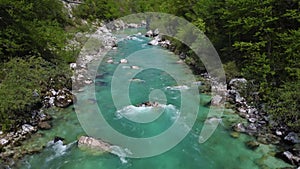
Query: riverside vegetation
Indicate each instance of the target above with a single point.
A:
(256, 40)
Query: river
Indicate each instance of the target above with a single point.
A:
(221, 151)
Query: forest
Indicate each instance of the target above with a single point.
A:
(258, 40)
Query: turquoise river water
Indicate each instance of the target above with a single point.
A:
(221, 151)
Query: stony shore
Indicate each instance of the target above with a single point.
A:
(258, 121)
(61, 97)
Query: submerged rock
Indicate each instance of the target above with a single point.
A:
(134, 67)
(268, 139)
(253, 145)
(235, 134)
(43, 125)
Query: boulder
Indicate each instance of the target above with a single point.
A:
(237, 83)
(155, 32)
(268, 139)
(3, 142)
(253, 145)
(110, 61)
(132, 25)
(239, 127)
(43, 125)
(88, 81)
(153, 42)
(148, 104)
(64, 98)
(182, 55)
(216, 100)
(149, 33)
(165, 44)
(57, 138)
(134, 67)
(252, 120)
(251, 128)
(235, 134)
(95, 144)
(26, 128)
(279, 133)
(73, 66)
(123, 61)
(292, 137)
(288, 157)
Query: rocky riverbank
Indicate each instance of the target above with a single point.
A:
(259, 124)
(58, 95)
(262, 127)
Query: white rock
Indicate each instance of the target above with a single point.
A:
(94, 144)
(132, 25)
(51, 101)
(252, 120)
(123, 61)
(54, 93)
(80, 77)
(27, 128)
(1, 132)
(73, 65)
(149, 33)
(135, 67)
(156, 32)
(110, 61)
(153, 42)
(216, 100)
(279, 133)
(238, 83)
(137, 80)
(143, 22)
(88, 81)
(197, 83)
(3, 141)
(242, 110)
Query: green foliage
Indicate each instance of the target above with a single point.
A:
(231, 70)
(259, 40)
(32, 51)
(98, 9)
(23, 78)
(285, 106)
(32, 28)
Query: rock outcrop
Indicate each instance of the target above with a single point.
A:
(95, 144)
